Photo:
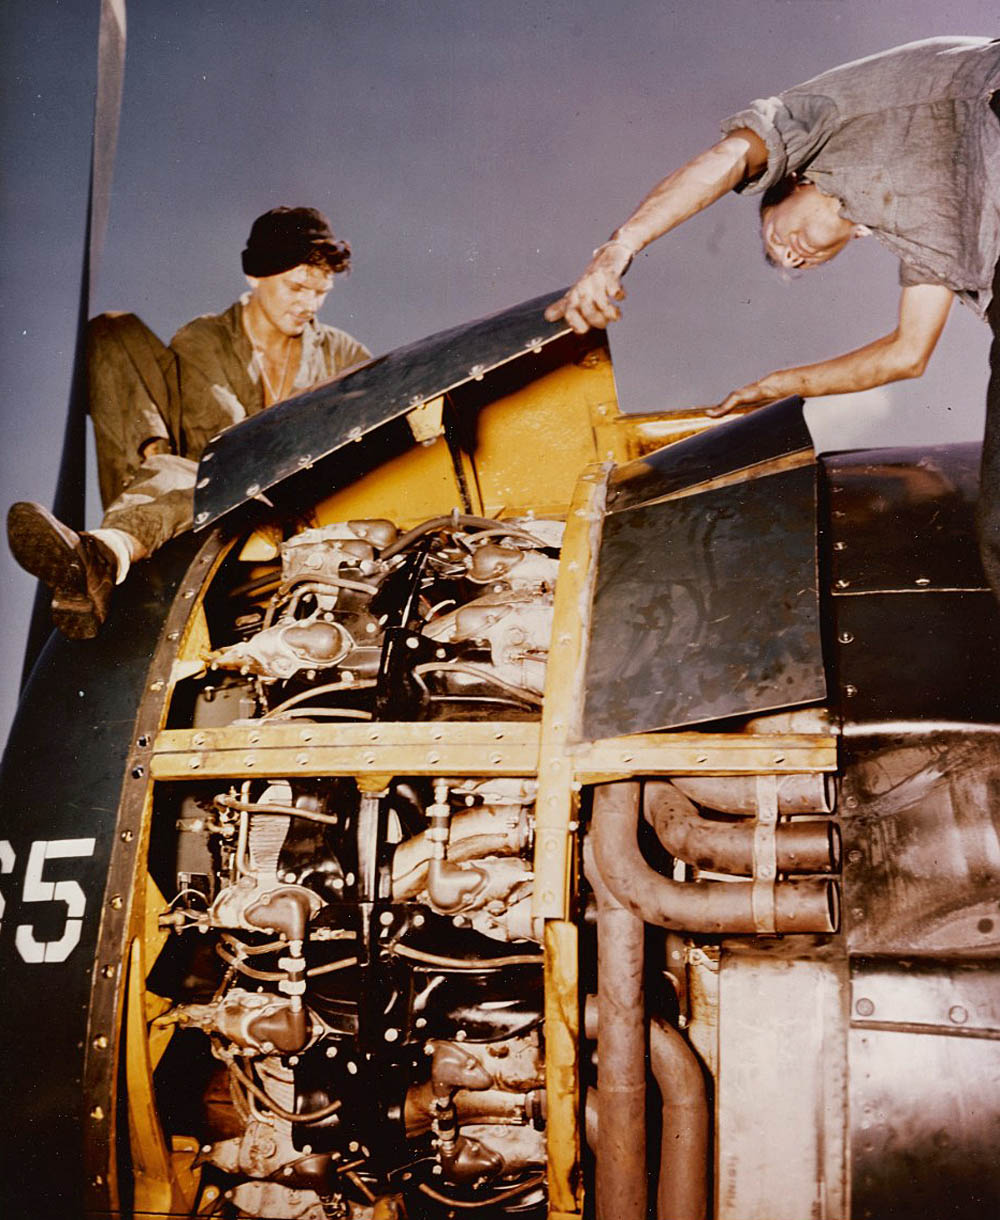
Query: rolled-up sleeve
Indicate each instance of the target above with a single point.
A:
(793, 126)
(909, 276)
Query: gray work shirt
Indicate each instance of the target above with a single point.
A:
(906, 140)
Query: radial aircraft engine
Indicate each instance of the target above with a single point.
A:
(502, 805)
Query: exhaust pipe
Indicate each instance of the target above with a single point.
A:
(682, 1190)
(620, 1169)
(615, 1111)
(799, 792)
(727, 847)
(703, 906)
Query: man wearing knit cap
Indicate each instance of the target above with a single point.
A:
(156, 408)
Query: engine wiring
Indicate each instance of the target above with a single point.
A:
(265, 1099)
(466, 963)
(276, 976)
(278, 810)
(474, 1204)
(285, 863)
(313, 692)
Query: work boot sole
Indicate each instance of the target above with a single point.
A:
(46, 548)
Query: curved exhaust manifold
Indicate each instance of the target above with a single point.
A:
(699, 906)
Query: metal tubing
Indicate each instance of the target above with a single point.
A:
(500, 1106)
(620, 1170)
(703, 906)
(590, 1018)
(590, 1120)
(727, 847)
(474, 834)
(799, 792)
(682, 1191)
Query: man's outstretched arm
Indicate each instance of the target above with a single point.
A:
(923, 311)
(689, 190)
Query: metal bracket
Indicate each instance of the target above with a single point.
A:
(426, 422)
(765, 854)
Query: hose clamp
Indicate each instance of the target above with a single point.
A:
(765, 854)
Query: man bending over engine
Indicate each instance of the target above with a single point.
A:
(156, 408)
(904, 145)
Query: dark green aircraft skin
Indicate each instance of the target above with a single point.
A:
(61, 779)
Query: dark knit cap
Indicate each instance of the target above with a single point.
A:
(285, 237)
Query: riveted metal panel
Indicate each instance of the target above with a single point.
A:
(957, 996)
(706, 607)
(734, 444)
(925, 1125)
(294, 436)
(921, 919)
(921, 837)
(919, 656)
(903, 519)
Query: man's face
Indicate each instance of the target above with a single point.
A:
(291, 299)
(805, 229)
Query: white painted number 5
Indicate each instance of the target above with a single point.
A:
(6, 866)
(37, 889)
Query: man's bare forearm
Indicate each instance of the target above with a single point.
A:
(904, 353)
(592, 301)
(875, 364)
(692, 188)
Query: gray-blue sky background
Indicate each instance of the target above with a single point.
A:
(472, 153)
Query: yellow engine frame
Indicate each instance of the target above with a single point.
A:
(546, 447)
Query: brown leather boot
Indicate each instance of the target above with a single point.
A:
(78, 568)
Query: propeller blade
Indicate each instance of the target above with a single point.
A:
(69, 500)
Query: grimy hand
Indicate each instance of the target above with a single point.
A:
(591, 300)
(753, 395)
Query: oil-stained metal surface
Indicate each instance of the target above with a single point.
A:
(921, 842)
(248, 459)
(958, 996)
(903, 519)
(706, 607)
(922, 923)
(782, 1095)
(453, 1003)
(733, 445)
(931, 656)
(925, 1118)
